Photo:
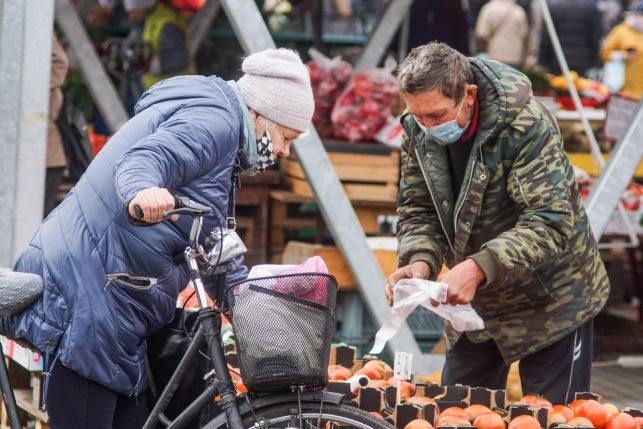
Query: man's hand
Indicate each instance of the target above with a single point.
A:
(463, 280)
(153, 201)
(417, 270)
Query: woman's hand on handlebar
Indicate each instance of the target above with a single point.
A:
(151, 203)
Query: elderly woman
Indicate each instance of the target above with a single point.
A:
(110, 284)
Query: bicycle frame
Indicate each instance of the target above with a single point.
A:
(209, 330)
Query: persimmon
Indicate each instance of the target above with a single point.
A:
(536, 401)
(418, 424)
(371, 373)
(406, 388)
(524, 422)
(490, 420)
(580, 421)
(621, 421)
(593, 411)
(610, 409)
(379, 384)
(564, 411)
(555, 419)
(476, 410)
(575, 404)
(456, 412)
(383, 369)
(452, 421)
(639, 422)
(339, 373)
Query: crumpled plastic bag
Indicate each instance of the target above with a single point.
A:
(409, 293)
(306, 287)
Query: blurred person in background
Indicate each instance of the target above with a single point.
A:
(501, 30)
(166, 31)
(56, 160)
(625, 42)
(441, 21)
(578, 26)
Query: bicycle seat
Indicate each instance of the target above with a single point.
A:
(18, 291)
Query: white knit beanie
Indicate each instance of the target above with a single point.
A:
(276, 85)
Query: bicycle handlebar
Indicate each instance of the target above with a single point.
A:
(182, 205)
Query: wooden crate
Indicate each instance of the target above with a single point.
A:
(27, 391)
(286, 216)
(368, 171)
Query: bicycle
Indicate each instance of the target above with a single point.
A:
(302, 407)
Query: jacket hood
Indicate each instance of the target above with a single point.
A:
(172, 94)
(502, 93)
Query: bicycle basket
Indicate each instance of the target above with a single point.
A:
(283, 327)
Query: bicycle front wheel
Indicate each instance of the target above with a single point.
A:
(312, 416)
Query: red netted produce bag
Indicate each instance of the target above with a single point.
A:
(328, 78)
(364, 105)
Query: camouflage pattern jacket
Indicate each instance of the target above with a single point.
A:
(519, 215)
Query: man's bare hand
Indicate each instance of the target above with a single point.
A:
(153, 202)
(417, 270)
(463, 280)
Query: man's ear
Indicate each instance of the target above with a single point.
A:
(472, 90)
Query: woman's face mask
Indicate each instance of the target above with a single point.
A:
(265, 152)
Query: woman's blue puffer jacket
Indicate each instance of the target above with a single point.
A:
(110, 284)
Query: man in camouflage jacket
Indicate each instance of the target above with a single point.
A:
(488, 190)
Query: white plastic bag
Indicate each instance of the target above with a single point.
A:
(409, 293)
(614, 75)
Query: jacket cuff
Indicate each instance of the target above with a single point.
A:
(490, 265)
(429, 259)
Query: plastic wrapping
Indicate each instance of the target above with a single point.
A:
(328, 77)
(365, 104)
(409, 293)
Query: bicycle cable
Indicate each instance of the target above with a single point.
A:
(216, 265)
(321, 407)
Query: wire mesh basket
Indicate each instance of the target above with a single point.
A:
(283, 327)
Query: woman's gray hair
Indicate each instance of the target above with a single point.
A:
(435, 65)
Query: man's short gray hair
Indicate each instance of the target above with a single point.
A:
(435, 65)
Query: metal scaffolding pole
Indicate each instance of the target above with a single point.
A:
(201, 23)
(616, 175)
(26, 29)
(620, 182)
(383, 33)
(105, 95)
(335, 206)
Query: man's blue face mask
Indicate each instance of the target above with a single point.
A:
(447, 133)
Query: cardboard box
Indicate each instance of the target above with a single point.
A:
(24, 357)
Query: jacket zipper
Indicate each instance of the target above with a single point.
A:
(118, 277)
(437, 210)
(466, 191)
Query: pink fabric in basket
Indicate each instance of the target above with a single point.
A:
(308, 288)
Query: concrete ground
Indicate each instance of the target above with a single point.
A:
(620, 382)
